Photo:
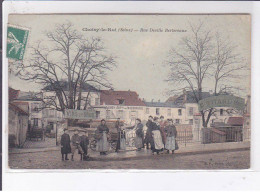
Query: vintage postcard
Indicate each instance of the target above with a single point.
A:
(129, 91)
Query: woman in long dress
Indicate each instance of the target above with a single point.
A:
(171, 134)
(139, 134)
(102, 143)
(157, 138)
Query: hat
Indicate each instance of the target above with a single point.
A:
(161, 117)
(138, 120)
(102, 120)
(151, 116)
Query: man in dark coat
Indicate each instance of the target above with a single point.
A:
(118, 126)
(148, 136)
(65, 145)
(84, 142)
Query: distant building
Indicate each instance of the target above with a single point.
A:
(18, 117)
(125, 105)
(35, 106)
(90, 96)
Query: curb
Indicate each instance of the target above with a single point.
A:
(166, 155)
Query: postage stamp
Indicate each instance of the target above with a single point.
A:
(16, 42)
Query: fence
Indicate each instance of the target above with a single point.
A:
(188, 136)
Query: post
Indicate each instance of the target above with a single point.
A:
(56, 134)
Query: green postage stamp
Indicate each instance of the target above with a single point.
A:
(16, 42)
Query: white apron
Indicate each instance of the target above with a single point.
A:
(157, 140)
(138, 142)
(102, 144)
(122, 144)
(170, 143)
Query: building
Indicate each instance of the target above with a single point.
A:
(166, 109)
(125, 105)
(90, 96)
(18, 117)
(35, 107)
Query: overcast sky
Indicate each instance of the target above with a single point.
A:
(140, 55)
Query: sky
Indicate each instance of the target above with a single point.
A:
(140, 56)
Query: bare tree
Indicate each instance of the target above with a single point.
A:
(203, 57)
(71, 58)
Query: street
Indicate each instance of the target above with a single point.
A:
(52, 160)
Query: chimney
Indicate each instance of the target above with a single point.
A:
(152, 100)
(184, 96)
(159, 100)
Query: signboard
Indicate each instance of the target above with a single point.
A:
(222, 101)
(79, 114)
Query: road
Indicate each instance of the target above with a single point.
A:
(52, 160)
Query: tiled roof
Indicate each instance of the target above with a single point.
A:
(17, 109)
(237, 121)
(13, 94)
(128, 98)
(191, 97)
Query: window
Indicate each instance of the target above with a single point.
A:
(35, 122)
(179, 112)
(147, 110)
(157, 111)
(121, 101)
(169, 112)
(221, 112)
(97, 114)
(191, 121)
(120, 114)
(35, 107)
(133, 115)
(97, 101)
(191, 111)
(108, 114)
(177, 121)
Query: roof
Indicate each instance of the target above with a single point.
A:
(13, 94)
(129, 98)
(237, 121)
(190, 97)
(17, 109)
(65, 86)
(218, 131)
(162, 104)
(29, 96)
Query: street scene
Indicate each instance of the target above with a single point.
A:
(162, 92)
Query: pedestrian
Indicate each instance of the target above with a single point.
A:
(157, 138)
(118, 126)
(65, 145)
(171, 135)
(162, 129)
(138, 127)
(101, 136)
(122, 139)
(84, 142)
(148, 140)
(75, 144)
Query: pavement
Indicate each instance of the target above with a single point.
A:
(132, 153)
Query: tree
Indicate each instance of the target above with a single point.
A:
(203, 57)
(67, 56)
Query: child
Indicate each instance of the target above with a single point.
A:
(84, 142)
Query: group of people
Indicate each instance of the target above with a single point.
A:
(160, 135)
(76, 142)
